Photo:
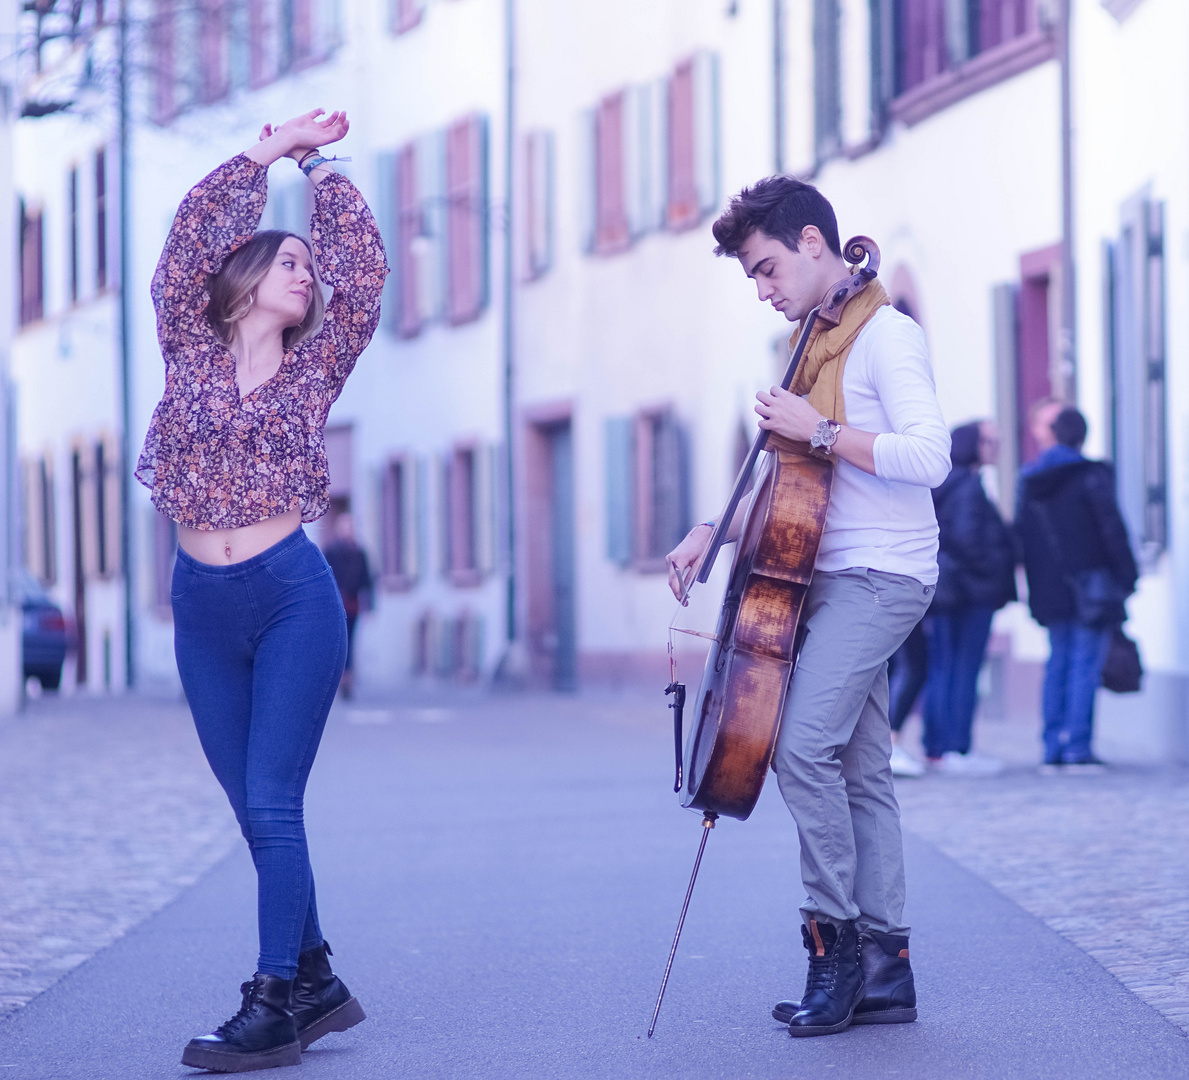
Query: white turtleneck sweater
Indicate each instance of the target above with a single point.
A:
(886, 521)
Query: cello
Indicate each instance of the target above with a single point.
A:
(737, 710)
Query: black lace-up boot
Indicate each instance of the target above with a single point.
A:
(834, 985)
(321, 1003)
(890, 996)
(261, 1035)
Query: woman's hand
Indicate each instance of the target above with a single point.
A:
(298, 136)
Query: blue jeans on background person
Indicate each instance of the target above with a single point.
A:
(908, 668)
(957, 642)
(1072, 677)
(260, 647)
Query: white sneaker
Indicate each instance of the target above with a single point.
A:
(904, 764)
(952, 763)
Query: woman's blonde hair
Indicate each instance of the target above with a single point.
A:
(233, 288)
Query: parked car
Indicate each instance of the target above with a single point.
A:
(43, 633)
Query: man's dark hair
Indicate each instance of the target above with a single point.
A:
(1069, 429)
(964, 443)
(780, 207)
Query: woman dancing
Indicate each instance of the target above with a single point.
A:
(254, 357)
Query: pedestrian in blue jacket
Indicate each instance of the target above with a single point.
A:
(1080, 569)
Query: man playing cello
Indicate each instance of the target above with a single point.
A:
(864, 395)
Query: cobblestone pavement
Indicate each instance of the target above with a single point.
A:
(107, 811)
(1103, 860)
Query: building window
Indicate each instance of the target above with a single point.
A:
(467, 513)
(72, 209)
(941, 51)
(106, 478)
(40, 524)
(611, 222)
(404, 15)
(31, 255)
(466, 219)
(537, 204)
(400, 523)
(648, 466)
(101, 219)
(1136, 352)
(417, 213)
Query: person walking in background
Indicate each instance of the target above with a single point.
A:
(1080, 569)
(348, 563)
(908, 668)
(976, 578)
(235, 454)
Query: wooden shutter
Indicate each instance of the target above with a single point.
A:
(486, 485)
(670, 485)
(1137, 369)
(404, 15)
(466, 222)
(264, 41)
(1007, 416)
(102, 223)
(611, 223)
(537, 204)
(430, 249)
(409, 229)
(706, 131)
(637, 159)
(682, 183)
(213, 44)
(827, 79)
(618, 479)
(386, 219)
(31, 264)
(106, 479)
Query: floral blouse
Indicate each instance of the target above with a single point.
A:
(211, 459)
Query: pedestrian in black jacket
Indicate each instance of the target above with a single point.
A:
(348, 563)
(1080, 569)
(976, 561)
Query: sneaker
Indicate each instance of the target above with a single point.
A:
(951, 763)
(904, 764)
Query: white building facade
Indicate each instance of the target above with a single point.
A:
(557, 328)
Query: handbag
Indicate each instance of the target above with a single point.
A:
(1122, 672)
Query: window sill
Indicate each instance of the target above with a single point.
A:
(466, 579)
(397, 582)
(977, 74)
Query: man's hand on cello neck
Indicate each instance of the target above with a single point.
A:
(793, 417)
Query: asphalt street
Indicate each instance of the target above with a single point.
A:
(500, 883)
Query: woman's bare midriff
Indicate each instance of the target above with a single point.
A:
(222, 547)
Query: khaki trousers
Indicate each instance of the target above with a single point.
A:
(832, 752)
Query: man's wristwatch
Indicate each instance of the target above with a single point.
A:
(823, 438)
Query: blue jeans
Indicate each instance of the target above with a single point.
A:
(260, 646)
(957, 642)
(1072, 677)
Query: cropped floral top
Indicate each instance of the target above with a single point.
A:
(212, 459)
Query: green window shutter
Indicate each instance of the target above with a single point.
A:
(619, 442)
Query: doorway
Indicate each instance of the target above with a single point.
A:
(552, 616)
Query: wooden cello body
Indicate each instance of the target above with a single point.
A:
(736, 713)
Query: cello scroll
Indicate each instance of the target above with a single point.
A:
(856, 250)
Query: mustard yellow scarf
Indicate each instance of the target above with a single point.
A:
(829, 346)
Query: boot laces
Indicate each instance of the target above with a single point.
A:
(823, 971)
(233, 1026)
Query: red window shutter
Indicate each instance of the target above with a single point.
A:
(303, 30)
(611, 220)
(213, 36)
(683, 208)
(406, 14)
(466, 220)
(409, 229)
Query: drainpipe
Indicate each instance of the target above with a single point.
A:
(125, 358)
(778, 85)
(510, 667)
(1068, 278)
